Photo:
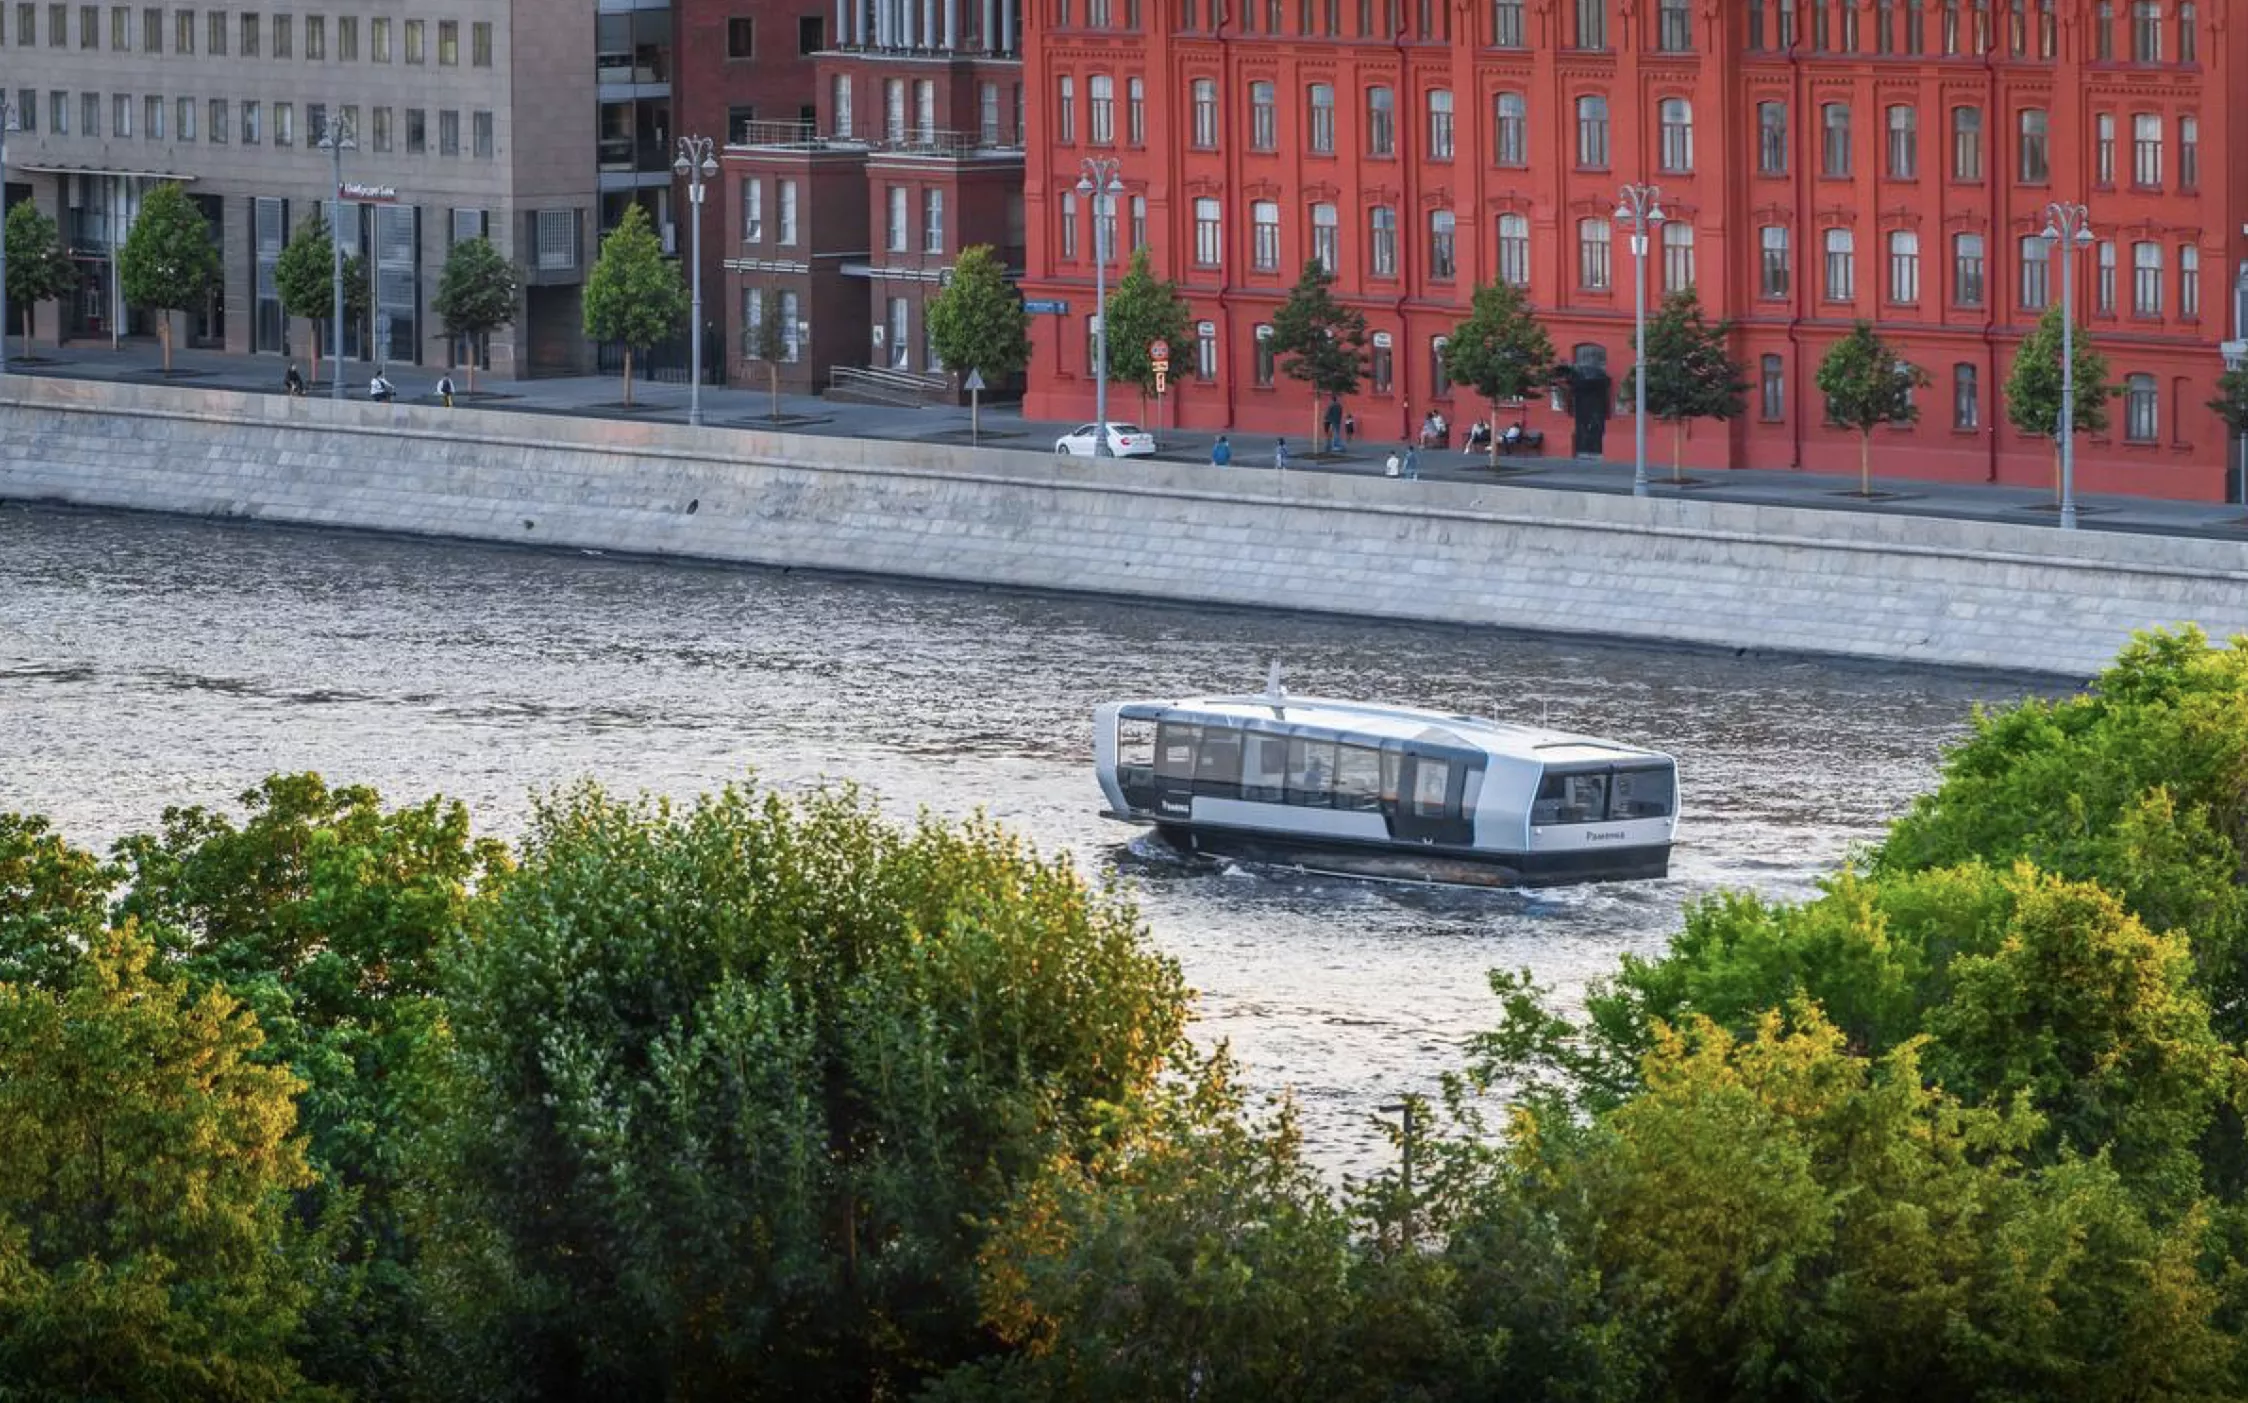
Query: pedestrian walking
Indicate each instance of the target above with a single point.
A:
(1334, 423)
(1390, 468)
(1221, 453)
(1280, 454)
(445, 390)
(1412, 463)
(1350, 428)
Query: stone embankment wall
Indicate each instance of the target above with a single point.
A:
(1880, 586)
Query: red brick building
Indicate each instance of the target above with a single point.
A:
(1818, 164)
(852, 217)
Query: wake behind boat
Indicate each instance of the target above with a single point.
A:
(1387, 792)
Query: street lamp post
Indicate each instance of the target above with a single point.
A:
(2070, 226)
(335, 139)
(1639, 208)
(7, 124)
(1100, 184)
(697, 163)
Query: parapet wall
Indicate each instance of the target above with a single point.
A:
(1872, 585)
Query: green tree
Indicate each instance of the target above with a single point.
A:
(476, 295)
(1776, 1215)
(1318, 340)
(144, 1185)
(765, 339)
(2033, 390)
(978, 322)
(325, 913)
(1143, 309)
(169, 262)
(633, 296)
(2231, 405)
(1867, 384)
(742, 1084)
(2134, 783)
(305, 277)
(1194, 1255)
(1691, 373)
(1500, 349)
(38, 270)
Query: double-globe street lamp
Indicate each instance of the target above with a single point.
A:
(335, 139)
(7, 124)
(1639, 208)
(1101, 184)
(698, 163)
(2070, 226)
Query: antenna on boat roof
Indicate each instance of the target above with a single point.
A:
(1275, 695)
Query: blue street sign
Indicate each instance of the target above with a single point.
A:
(1039, 307)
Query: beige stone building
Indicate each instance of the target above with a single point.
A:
(464, 117)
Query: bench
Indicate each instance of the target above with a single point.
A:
(1531, 441)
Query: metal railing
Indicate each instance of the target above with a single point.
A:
(908, 140)
(902, 387)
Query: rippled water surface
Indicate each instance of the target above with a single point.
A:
(146, 661)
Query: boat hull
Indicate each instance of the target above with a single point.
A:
(1405, 863)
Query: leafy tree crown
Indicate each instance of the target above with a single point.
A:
(978, 322)
(1867, 384)
(1142, 310)
(38, 271)
(169, 261)
(633, 296)
(1500, 348)
(1691, 372)
(1318, 340)
(2033, 390)
(476, 292)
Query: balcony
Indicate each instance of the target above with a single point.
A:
(906, 141)
(622, 153)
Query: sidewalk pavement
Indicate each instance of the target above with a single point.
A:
(1002, 426)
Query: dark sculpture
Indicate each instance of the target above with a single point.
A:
(1589, 389)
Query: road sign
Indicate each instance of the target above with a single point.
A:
(1162, 378)
(975, 380)
(1159, 350)
(1041, 307)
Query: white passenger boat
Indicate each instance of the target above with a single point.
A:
(1387, 792)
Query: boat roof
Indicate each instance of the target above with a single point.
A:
(1374, 722)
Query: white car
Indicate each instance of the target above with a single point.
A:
(1124, 441)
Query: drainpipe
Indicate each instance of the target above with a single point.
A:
(1408, 216)
(1222, 23)
(1799, 98)
(1994, 148)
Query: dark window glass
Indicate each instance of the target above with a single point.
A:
(1264, 768)
(1217, 763)
(1311, 772)
(1174, 750)
(1571, 798)
(1648, 793)
(1358, 777)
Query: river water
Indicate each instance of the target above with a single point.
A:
(149, 661)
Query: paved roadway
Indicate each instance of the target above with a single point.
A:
(1004, 427)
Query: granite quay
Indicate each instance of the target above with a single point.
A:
(1712, 567)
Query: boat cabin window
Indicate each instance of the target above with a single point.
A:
(1431, 778)
(1358, 777)
(1217, 765)
(1311, 772)
(1645, 791)
(1651, 792)
(1567, 798)
(1264, 768)
(1135, 752)
(1174, 751)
